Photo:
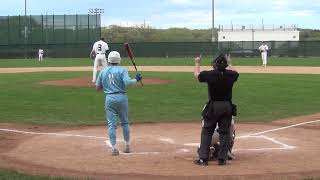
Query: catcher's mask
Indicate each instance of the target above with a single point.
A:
(220, 63)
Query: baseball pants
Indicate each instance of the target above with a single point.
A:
(264, 57)
(222, 115)
(99, 60)
(40, 57)
(116, 106)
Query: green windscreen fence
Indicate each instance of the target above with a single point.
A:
(244, 49)
(63, 36)
(165, 49)
(58, 35)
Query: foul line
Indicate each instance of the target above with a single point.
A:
(282, 128)
(53, 134)
(260, 149)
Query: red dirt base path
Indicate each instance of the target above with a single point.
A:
(286, 149)
(86, 82)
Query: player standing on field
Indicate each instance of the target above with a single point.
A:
(100, 48)
(40, 53)
(264, 53)
(113, 80)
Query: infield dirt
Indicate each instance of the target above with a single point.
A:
(162, 151)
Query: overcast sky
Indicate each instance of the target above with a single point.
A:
(195, 14)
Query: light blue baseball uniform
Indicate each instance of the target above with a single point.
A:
(114, 80)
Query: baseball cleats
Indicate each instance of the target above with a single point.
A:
(115, 152)
(230, 155)
(126, 148)
(222, 162)
(201, 162)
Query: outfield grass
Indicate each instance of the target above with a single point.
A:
(260, 97)
(274, 61)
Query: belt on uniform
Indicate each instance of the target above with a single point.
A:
(101, 53)
(116, 93)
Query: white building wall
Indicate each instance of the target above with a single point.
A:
(234, 36)
(258, 35)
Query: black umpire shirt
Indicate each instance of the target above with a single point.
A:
(219, 83)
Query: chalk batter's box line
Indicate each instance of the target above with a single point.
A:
(282, 145)
(169, 140)
(99, 137)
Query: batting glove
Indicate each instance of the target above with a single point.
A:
(138, 77)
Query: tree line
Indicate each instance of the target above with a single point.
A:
(142, 33)
(147, 34)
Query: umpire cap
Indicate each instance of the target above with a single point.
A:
(220, 62)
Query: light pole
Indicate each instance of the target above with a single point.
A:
(97, 11)
(213, 30)
(25, 7)
(25, 29)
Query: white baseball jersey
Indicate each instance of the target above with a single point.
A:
(263, 48)
(100, 47)
(41, 51)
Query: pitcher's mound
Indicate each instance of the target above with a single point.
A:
(86, 82)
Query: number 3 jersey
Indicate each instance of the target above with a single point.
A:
(100, 47)
(114, 80)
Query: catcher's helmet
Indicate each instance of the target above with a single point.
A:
(220, 62)
(114, 57)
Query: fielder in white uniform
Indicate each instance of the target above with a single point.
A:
(100, 49)
(264, 53)
(40, 53)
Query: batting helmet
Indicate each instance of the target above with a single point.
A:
(114, 57)
(220, 62)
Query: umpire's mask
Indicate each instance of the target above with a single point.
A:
(220, 63)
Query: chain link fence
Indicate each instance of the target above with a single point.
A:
(58, 35)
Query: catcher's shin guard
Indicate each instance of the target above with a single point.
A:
(233, 136)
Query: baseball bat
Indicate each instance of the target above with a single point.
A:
(131, 57)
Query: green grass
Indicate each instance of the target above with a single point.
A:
(274, 61)
(260, 97)
(13, 175)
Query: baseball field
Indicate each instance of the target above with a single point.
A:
(52, 121)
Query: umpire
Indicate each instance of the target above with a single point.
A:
(219, 108)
